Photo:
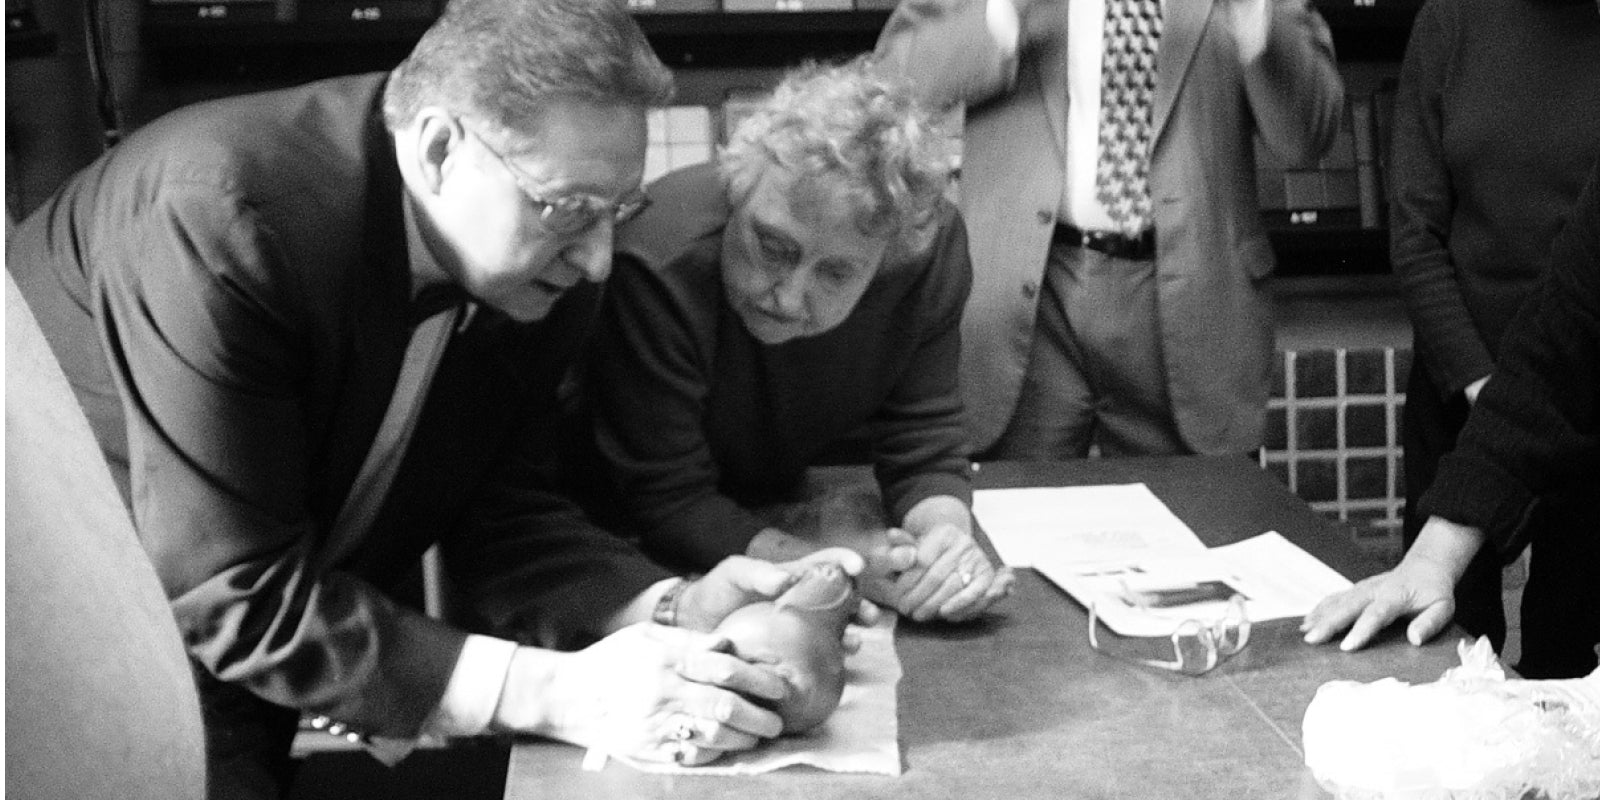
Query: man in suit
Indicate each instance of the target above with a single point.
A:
(235, 294)
(1117, 248)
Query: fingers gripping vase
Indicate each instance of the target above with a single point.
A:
(803, 630)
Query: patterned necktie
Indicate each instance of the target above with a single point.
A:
(1127, 96)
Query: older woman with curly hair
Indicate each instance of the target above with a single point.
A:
(805, 289)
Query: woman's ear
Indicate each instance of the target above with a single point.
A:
(917, 237)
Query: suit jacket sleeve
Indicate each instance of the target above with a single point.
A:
(209, 354)
(919, 437)
(1536, 425)
(1294, 89)
(530, 564)
(946, 47)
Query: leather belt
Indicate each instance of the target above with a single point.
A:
(1134, 248)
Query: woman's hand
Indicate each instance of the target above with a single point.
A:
(887, 553)
(738, 581)
(1422, 587)
(1416, 588)
(929, 567)
(951, 577)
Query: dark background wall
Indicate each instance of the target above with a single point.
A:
(160, 56)
(51, 128)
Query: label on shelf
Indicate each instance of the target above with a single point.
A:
(672, 6)
(364, 10)
(212, 12)
(1312, 219)
(1375, 5)
(746, 6)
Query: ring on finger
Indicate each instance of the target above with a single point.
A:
(682, 731)
(966, 578)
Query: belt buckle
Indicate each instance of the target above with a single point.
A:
(1108, 242)
(1120, 245)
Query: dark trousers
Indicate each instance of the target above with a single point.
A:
(247, 742)
(1560, 614)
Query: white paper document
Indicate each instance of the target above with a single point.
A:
(1049, 525)
(1122, 550)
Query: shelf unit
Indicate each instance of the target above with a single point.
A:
(24, 37)
(1363, 29)
(289, 41)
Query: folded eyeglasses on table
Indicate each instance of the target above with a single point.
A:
(1198, 645)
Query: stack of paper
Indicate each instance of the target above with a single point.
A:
(1122, 550)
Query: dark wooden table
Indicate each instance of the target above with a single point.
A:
(1019, 706)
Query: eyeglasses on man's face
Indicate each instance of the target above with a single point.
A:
(569, 213)
(1198, 646)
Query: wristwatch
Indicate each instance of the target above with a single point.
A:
(666, 611)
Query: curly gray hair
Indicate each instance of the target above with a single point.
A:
(859, 130)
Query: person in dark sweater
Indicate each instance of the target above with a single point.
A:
(1533, 433)
(1478, 194)
(764, 308)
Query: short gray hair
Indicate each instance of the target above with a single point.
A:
(856, 128)
(503, 61)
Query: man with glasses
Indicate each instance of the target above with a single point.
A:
(243, 295)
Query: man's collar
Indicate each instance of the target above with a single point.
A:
(424, 268)
(432, 289)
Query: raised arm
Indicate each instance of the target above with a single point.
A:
(957, 51)
(920, 450)
(1290, 78)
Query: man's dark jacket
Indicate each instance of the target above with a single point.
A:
(229, 293)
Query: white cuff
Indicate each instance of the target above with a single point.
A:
(474, 690)
(1004, 24)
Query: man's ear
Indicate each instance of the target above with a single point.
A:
(439, 137)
